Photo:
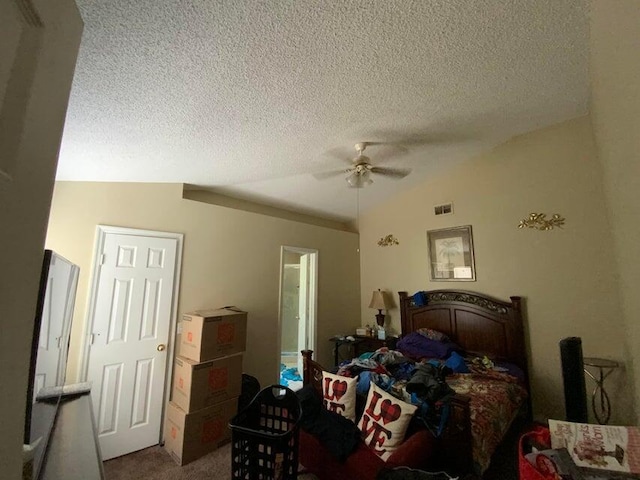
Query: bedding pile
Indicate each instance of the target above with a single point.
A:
(428, 369)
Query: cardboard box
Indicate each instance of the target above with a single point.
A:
(189, 436)
(200, 385)
(209, 334)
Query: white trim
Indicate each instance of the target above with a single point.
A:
(101, 232)
(313, 297)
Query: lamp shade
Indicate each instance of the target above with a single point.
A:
(378, 301)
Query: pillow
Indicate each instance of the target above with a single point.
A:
(432, 334)
(417, 346)
(456, 363)
(384, 421)
(339, 394)
(420, 299)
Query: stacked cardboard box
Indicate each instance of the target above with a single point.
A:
(207, 380)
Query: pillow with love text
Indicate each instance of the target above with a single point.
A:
(384, 421)
(339, 394)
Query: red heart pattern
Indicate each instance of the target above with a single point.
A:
(389, 412)
(384, 422)
(334, 390)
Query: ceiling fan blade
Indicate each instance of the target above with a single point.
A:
(383, 153)
(391, 172)
(418, 139)
(329, 174)
(342, 154)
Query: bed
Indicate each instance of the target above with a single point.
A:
(480, 325)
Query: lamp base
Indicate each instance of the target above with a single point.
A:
(380, 318)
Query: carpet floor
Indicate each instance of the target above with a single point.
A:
(154, 463)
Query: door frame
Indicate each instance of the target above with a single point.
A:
(101, 233)
(313, 297)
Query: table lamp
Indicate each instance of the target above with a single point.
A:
(379, 302)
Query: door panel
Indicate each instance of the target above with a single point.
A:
(142, 395)
(131, 320)
(110, 388)
(151, 309)
(120, 305)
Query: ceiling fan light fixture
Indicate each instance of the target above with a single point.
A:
(361, 171)
(353, 179)
(359, 179)
(365, 178)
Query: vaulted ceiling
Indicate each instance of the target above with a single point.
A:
(249, 98)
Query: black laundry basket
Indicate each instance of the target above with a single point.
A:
(265, 435)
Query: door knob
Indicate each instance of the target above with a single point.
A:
(161, 347)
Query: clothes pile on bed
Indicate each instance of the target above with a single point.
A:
(427, 369)
(422, 384)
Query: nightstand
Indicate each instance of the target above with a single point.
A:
(371, 344)
(350, 345)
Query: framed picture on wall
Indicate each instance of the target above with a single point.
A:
(451, 254)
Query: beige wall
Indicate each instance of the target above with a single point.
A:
(615, 79)
(25, 194)
(230, 257)
(567, 276)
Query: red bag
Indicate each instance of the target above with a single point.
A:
(541, 437)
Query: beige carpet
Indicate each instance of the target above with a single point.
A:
(154, 463)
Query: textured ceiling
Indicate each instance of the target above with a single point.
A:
(249, 97)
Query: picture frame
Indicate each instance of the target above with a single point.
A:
(450, 252)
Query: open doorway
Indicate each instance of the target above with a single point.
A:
(298, 311)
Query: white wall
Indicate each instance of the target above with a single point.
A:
(567, 276)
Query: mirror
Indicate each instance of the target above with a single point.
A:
(49, 350)
(55, 323)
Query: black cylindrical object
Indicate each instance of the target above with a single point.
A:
(575, 391)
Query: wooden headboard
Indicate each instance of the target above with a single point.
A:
(478, 323)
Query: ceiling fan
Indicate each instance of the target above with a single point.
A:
(358, 175)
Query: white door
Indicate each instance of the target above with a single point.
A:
(129, 335)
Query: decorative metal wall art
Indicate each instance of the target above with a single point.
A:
(388, 241)
(540, 221)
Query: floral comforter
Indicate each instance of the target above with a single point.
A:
(495, 400)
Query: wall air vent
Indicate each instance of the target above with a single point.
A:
(444, 209)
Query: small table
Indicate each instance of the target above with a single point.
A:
(371, 344)
(600, 403)
(339, 342)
